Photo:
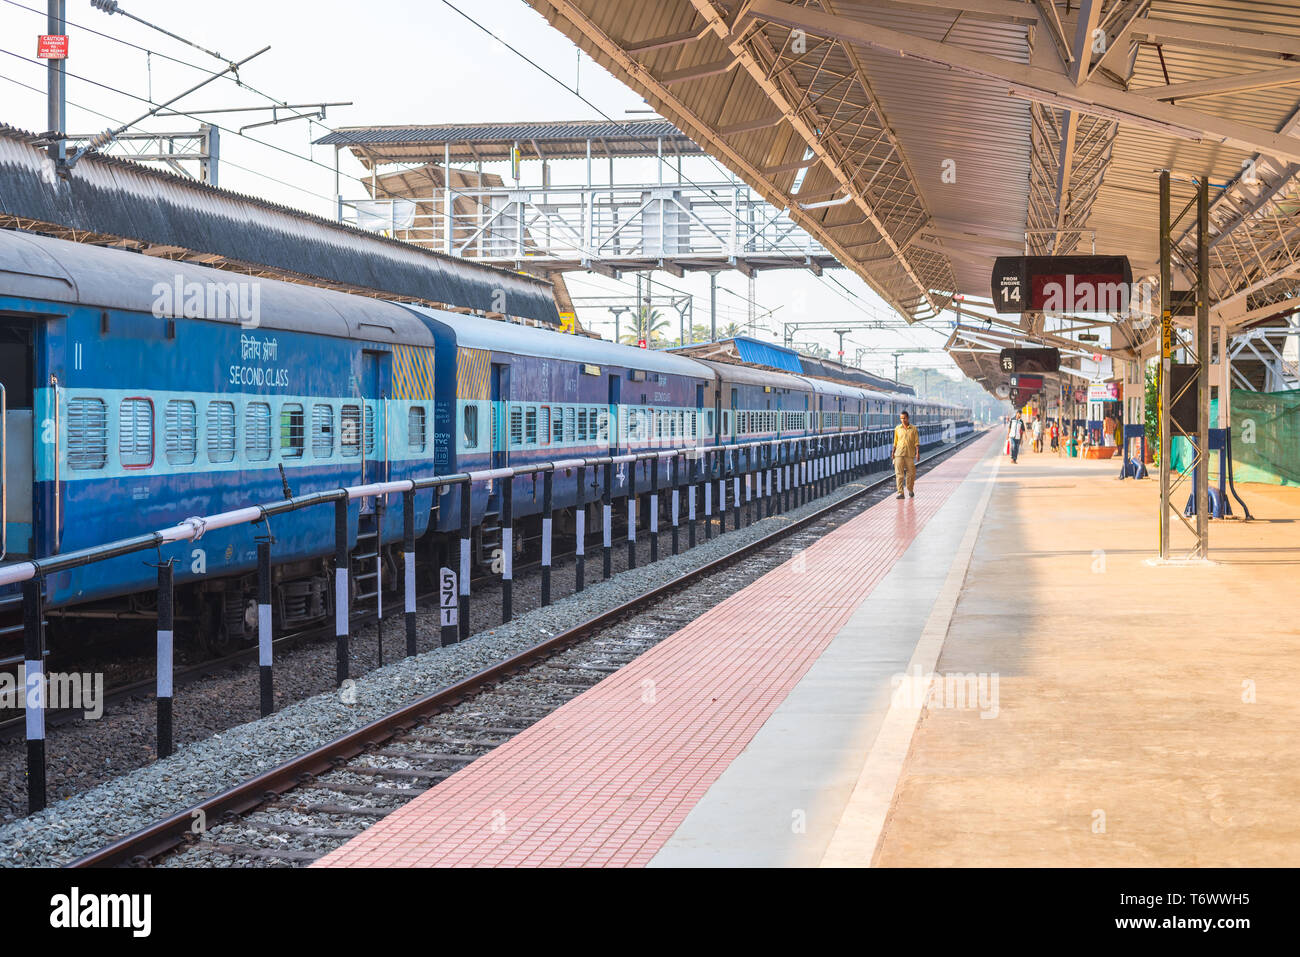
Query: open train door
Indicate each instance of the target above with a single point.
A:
(615, 399)
(17, 470)
(374, 389)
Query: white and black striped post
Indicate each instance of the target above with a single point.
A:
(264, 635)
(607, 508)
(631, 514)
(379, 581)
(34, 691)
(723, 461)
(693, 479)
(735, 492)
(408, 568)
(654, 509)
(548, 514)
(709, 460)
(341, 614)
(465, 542)
(676, 506)
(580, 533)
(164, 668)
(507, 547)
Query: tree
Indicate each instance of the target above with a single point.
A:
(647, 324)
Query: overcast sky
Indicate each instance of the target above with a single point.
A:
(397, 61)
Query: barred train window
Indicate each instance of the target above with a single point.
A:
(471, 427)
(257, 431)
(182, 432)
(569, 417)
(87, 434)
(602, 429)
(516, 426)
(530, 425)
(544, 425)
(135, 433)
(350, 431)
(322, 431)
(557, 425)
(293, 429)
(221, 431)
(415, 428)
(370, 430)
(582, 425)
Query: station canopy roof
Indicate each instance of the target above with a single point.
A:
(493, 142)
(919, 139)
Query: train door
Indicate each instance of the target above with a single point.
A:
(500, 414)
(615, 399)
(699, 415)
(17, 357)
(374, 456)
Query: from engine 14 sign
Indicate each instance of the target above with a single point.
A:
(1062, 284)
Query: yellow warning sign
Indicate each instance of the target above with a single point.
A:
(568, 322)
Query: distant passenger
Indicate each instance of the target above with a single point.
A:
(907, 452)
(1055, 433)
(1016, 432)
(1038, 434)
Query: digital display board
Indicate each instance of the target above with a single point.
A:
(1062, 284)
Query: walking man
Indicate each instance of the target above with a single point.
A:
(1016, 432)
(907, 452)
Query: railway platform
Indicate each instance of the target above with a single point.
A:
(944, 681)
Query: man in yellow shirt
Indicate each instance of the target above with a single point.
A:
(907, 452)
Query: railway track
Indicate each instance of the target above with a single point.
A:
(299, 811)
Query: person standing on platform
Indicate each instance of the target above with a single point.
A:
(1038, 434)
(907, 453)
(1016, 432)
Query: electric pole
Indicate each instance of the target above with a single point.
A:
(56, 77)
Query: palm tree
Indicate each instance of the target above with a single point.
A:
(647, 324)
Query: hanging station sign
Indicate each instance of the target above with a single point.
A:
(1062, 284)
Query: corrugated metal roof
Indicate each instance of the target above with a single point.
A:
(766, 354)
(488, 142)
(116, 199)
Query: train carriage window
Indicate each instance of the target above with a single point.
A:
(350, 431)
(470, 426)
(557, 424)
(570, 417)
(182, 432)
(633, 423)
(415, 430)
(708, 423)
(602, 427)
(135, 433)
(87, 434)
(370, 430)
(322, 431)
(221, 431)
(293, 428)
(516, 425)
(544, 425)
(257, 431)
(530, 425)
(582, 425)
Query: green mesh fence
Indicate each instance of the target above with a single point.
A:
(1265, 439)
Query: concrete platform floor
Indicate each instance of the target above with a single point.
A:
(1145, 715)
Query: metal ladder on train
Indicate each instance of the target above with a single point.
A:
(365, 561)
(489, 536)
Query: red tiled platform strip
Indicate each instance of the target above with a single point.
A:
(606, 779)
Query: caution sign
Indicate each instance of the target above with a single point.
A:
(447, 597)
(52, 46)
